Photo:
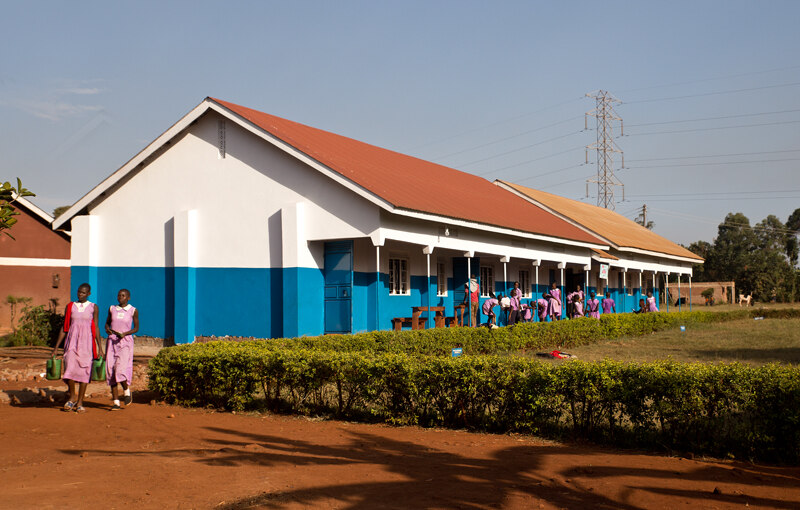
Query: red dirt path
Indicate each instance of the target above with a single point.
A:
(157, 456)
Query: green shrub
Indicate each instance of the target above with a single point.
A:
(37, 326)
(748, 412)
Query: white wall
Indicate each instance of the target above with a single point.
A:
(237, 199)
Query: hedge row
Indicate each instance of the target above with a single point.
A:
(722, 410)
(535, 335)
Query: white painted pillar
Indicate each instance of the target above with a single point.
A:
(185, 284)
(690, 293)
(427, 251)
(377, 287)
(536, 264)
(679, 292)
(666, 290)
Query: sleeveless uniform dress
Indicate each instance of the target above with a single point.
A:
(119, 351)
(79, 346)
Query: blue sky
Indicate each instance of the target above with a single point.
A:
(710, 90)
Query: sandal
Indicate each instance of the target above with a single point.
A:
(80, 409)
(69, 406)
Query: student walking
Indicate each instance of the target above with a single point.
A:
(81, 347)
(608, 304)
(121, 324)
(592, 306)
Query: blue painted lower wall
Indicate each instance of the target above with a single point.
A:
(182, 303)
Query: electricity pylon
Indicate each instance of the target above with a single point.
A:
(605, 147)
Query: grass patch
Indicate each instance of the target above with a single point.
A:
(746, 341)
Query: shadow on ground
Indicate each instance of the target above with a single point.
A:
(423, 477)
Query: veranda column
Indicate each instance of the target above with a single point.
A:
(690, 293)
(427, 251)
(666, 290)
(679, 291)
(468, 308)
(377, 287)
(536, 264)
(561, 266)
(624, 286)
(185, 281)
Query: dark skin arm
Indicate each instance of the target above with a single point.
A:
(96, 333)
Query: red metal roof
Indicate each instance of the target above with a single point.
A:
(412, 183)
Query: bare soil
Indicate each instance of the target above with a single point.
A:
(157, 456)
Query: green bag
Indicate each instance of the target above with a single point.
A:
(53, 369)
(99, 369)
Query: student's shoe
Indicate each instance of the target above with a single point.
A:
(128, 399)
(68, 406)
(116, 407)
(80, 409)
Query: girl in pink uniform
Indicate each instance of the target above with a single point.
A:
(554, 302)
(82, 337)
(593, 306)
(121, 324)
(651, 302)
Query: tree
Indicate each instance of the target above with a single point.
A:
(703, 249)
(793, 224)
(58, 211)
(9, 195)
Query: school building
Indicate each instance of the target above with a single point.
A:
(34, 265)
(236, 222)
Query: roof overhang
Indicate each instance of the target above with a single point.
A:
(209, 104)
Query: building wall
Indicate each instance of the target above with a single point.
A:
(221, 241)
(35, 265)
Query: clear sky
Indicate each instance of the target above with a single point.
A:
(710, 90)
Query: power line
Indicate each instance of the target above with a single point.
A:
(548, 173)
(519, 149)
(717, 193)
(718, 155)
(715, 164)
(506, 138)
(496, 123)
(716, 128)
(711, 79)
(722, 198)
(533, 160)
(705, 94)
(715, 118)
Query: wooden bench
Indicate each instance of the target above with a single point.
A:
(399, 322)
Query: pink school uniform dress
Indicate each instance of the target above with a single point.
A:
(119, 351)
(593, 308)
(577, 308)
(651, 304)
(608, 305)
(542, 307)
(554, 304)
(488, 305)
(79, 345)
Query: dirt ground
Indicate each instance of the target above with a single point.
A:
(158, 456)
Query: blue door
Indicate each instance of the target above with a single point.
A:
(338, 287)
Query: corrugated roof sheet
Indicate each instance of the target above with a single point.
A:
(414, 184)
(612, 226)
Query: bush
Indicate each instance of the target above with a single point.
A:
(37, 326)
(523, 336)
(726, 409)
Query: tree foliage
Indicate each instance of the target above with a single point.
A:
(761, 258)
(9, 195)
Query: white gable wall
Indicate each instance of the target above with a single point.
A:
(238, 200)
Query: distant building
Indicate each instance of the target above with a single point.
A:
(236, 222)
(36, 265)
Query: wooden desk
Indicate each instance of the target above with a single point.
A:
(459, 317)
(438, 320)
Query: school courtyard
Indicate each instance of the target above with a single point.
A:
(155, 455)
